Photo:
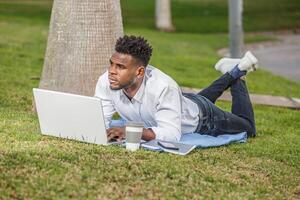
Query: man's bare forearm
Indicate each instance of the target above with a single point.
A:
(148, 134)
(119, 132)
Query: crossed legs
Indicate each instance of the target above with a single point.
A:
(241, 117)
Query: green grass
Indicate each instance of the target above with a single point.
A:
(40, 167)
(210, 16)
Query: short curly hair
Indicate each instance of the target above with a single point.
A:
(136, 46)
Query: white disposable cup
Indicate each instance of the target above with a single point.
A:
(134, 133)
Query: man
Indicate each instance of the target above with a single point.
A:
(141, 93)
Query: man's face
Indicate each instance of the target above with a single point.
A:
(123, 71)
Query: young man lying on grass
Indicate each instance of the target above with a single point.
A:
(142, 93)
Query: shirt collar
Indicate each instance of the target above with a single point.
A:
(139, 94)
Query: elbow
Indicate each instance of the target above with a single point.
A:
(171, 136)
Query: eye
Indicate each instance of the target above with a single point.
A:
(121, 66)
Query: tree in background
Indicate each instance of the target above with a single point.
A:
(236, 33)
(163, 17)
(81, 39)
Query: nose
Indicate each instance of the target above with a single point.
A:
(112, 69)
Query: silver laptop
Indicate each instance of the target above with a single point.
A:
(70, 116)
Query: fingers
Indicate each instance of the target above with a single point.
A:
(109, 133)
(115, 133)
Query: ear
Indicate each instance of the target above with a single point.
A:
(140, 71)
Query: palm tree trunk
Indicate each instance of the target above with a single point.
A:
(81, 39)
(163, 17)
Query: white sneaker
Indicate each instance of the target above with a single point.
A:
(226, 64)
(248, 63)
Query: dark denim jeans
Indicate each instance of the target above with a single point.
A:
(216, 121)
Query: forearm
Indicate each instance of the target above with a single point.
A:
(148, 134)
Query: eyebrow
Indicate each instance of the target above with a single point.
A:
(116, 63)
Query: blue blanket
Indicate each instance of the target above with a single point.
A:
(201, 141)
(204, 141)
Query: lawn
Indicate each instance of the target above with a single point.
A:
(40, 167)
(210, 16)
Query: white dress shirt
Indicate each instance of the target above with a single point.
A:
(158, 104)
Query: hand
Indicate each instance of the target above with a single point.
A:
(117, 133)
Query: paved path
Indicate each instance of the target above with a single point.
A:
(279, 101)
(281, 57)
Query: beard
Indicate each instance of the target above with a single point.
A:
(123, 85)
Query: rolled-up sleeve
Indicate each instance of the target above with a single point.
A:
(168, 115)
(102, 92)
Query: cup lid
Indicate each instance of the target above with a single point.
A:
(135, 124)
